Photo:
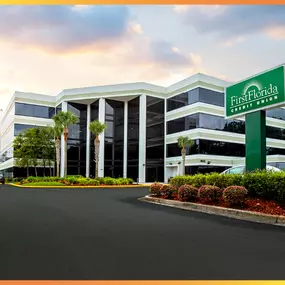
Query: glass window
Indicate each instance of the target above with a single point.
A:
(23, 109)
(114, 138)
(193, 96)
(76, 158)
(94, 111)
(154, 138)
(18, 128)
(211, 97)
(212, 122)
(236, 170)
(277, 113)
(182, 124)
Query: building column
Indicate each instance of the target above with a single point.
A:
(62, 145)
(88, 140)
(142, 139)
(101, 118)
(125, 140)
(165, 131)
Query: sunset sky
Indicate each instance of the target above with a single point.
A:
(45, 49)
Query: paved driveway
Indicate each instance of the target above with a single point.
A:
(108, 234)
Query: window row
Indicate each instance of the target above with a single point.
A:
(215, 148)
(212, 122)
(210, 97)
(23, 109)
(193, 96)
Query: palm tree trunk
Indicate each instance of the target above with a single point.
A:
(65, 150)
(57, 150)
(96, 145)
(183, 160)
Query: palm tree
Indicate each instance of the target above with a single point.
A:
(97, 128)
(182, 143)
(56, 132)
(65, 119)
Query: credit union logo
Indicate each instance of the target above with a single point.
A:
(254, 95)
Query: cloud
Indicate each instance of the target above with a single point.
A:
(233, 22)
(63, 28)
(136, 28)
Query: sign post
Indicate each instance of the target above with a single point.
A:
(251, 98)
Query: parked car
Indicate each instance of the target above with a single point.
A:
(240, 169)
(2, 178)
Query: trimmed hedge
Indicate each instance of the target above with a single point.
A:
(210, 192)
(188, 193)
(234, 195)
(79, 180)
(262, 184)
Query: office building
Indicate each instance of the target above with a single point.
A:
(144, 122)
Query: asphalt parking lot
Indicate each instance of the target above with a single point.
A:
(107, 234)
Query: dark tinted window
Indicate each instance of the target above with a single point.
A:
(216, 148)
(76, 143)
(34, 110)
(193, 96)
(114, 138)
(94, 111)
(154, 139)
(206, 121)
(277, 113)
(182, 124)
(208, 147)
(18, 128)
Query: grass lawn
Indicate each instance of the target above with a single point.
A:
(44, 184)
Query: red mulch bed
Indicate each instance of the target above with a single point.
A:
(253, 205)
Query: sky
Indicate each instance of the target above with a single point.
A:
(45, 49)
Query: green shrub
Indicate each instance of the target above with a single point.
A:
(260, 184)
(109, 181)
(187, 193)
(154, 188)
(235, 195)
(210, 192)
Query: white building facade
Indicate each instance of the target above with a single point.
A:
(144, 122)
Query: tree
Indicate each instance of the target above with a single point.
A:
(97, 128)
(33, 147)
(65, 119)
(184, 142)
(21, 154)
(56, 131)
(33, 142)
(48, 146)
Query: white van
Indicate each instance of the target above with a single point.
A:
(240, 169)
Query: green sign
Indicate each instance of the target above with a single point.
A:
(261, 92)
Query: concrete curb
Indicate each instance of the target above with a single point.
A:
(220, 211)
(73, 187)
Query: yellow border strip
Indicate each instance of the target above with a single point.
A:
(74, 187)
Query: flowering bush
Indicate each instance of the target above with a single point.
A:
(155, 188)
(167, 190)
(235, 195)
(210, 192)
(187, 193)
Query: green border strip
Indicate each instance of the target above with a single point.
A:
(74, 187)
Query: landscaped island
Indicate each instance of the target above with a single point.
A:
(72, 181)
(262, 192)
